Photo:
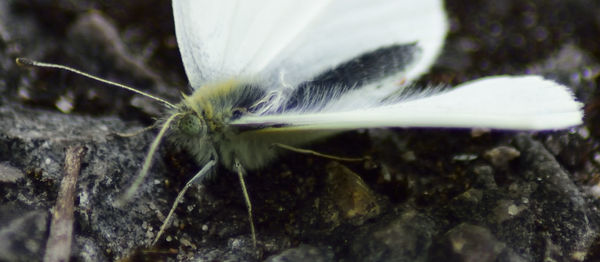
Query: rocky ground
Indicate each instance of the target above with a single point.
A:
(430, 195)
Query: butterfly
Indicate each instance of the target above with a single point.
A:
(289, 73)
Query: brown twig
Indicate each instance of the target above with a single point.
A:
(58, 246)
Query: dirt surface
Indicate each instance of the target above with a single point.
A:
(430, 194)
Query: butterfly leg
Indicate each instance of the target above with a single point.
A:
(315, 153)
(240, 170)
(197, 177)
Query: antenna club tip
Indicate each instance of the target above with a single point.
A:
(21, 61)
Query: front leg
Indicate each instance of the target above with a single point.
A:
(198, 177)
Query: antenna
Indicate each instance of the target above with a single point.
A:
(26, 62)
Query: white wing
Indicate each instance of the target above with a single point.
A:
(500, 102)
(294, 41)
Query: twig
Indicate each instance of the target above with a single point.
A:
(58, 246)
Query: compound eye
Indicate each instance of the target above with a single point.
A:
(190, 124)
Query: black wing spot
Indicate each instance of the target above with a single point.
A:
(353, 74)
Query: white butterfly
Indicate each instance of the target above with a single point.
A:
(291, 72)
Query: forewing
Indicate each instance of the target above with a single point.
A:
(286, 42)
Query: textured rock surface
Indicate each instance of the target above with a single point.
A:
(455, 195)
